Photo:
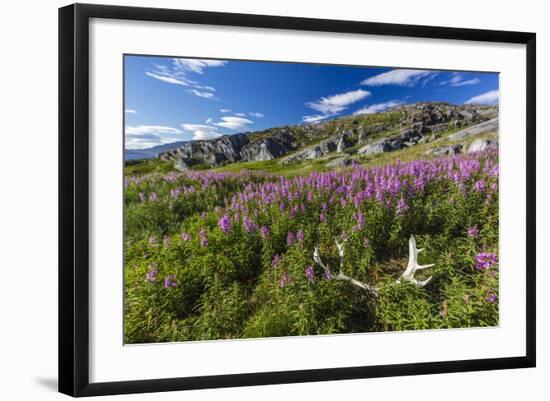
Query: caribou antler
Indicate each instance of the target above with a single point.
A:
(413, 265)
(408, 275)
(341, 275)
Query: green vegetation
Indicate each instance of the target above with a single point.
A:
(228, 253)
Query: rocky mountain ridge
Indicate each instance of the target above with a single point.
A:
(398, 128)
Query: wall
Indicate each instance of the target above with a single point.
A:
(28, 203)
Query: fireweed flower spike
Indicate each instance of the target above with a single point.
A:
(276, 260)
(225, 223)
(290, 238)
(284, 280)
(473, 232)
(264, 231)
(485, 260)
(202, 238)
(310, 274)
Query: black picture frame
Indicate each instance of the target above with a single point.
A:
(74, 198)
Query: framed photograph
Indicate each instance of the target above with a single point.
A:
(250, 199)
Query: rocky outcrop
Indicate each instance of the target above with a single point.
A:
(341, 161)
(447, 150)
(486, 126)
(401, 127)
(374, 148)
(336, 143)
(481, 144)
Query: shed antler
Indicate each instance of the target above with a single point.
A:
(341, 275)
(413, 265)
(408, 274)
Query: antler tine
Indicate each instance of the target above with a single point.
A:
(413, 266)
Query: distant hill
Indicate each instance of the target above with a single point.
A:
(149, 153)
(422, 125)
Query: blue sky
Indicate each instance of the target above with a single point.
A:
(180, 99)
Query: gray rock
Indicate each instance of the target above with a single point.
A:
(342, 161)
(486, 126)
(481, 144)
(447, 150)
(374, 148)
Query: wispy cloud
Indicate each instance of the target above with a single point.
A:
(256, 114)
(315, 118)
(234, 123)
(147, 136)
(177, 74)
(197, 65)
(458, 80)
(206, 95)
(240, 114)
(332, 105)
(130, 111)
(490, 97)
(378, 107)
(225, 110)
(399, 77)
(202, 131)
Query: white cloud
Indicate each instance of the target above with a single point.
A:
(378, 107)
(225, 110)
(205, 95)
(177, 74)
(490, 97)
(398, 77)
(330, 106)
(336, 103)
(130, 111)
(201, 131)
(473, 81)
(240, 114)
(147, 136)
(256, 114)
(197, 65)
(234, 123)
(316, 118)
(171, 79)
(458, 80)
(208, 120)
(151, 129)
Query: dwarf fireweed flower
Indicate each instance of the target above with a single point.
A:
(485, 260)
(186, 237)
(142, 197)
(225, 223)
(322, 217)
(328, 274)
(202, 238)
(152, 272)
(152, 239)
(473, 232)
(300, 236)
(479, 186)
(284, 280)
(264, 231)
(491, 297)
(248, 224)
(170, 281)
(401, 207)
(276, 260)
(310, 274)
(153, 197)
(290, 238)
